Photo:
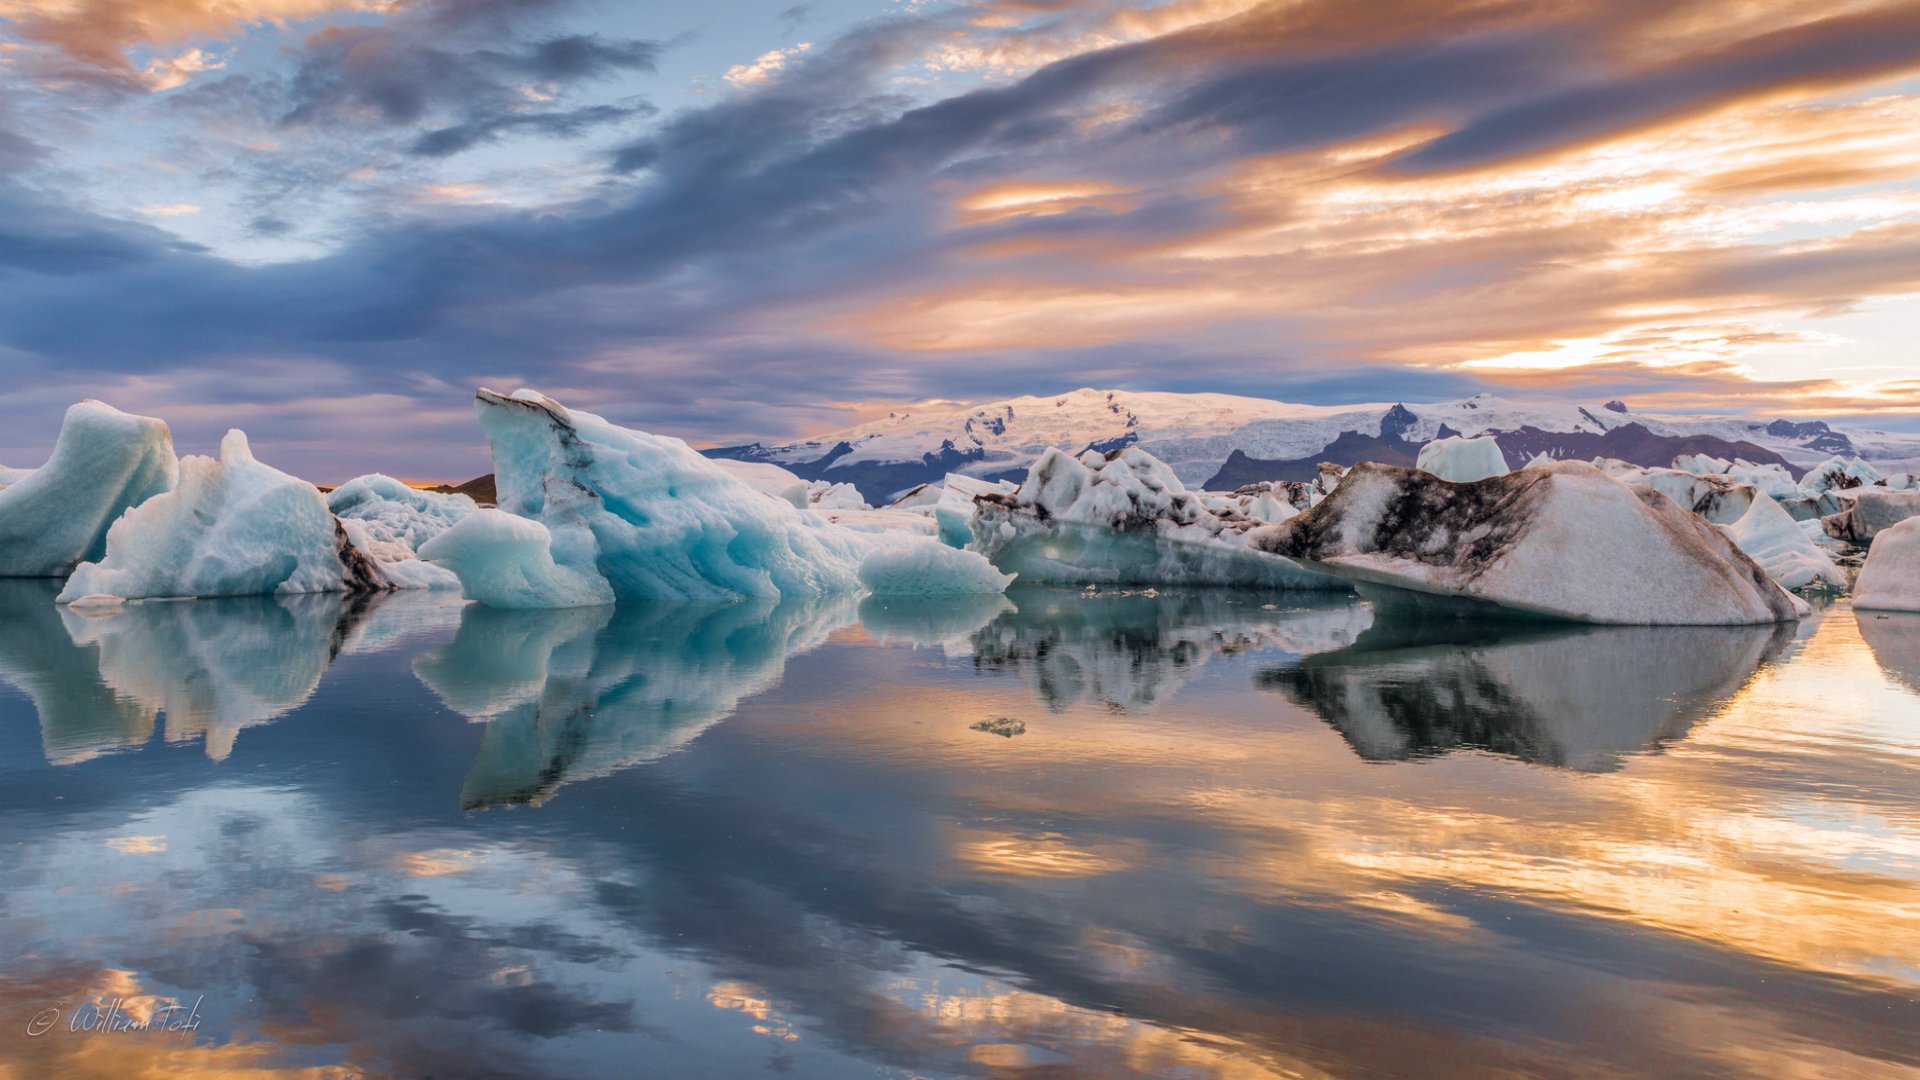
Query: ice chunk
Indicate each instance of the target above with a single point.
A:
(1564, 542)
(1540, 461)
(506, 561)
(1702, 464)
(768, 479)
(1773, 481)
(1129, 521)
(954, 510)
(395, 519)
(10, 477)
(918, 497)
(1890, 580)
(1839, 474)
(1771, 537)
(824, 495)
(1872, 511)
(928, 569)
(1714, 496)
(645, 513)
(232, 527)
(56, 517)
(1462, 460)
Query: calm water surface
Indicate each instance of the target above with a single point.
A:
(1240, 836)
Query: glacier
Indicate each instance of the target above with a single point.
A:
(1123, 518)
(1564, 541)
(105, 461)
(1890, 579)
(231, 527)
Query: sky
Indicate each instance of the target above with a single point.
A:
(328, 221)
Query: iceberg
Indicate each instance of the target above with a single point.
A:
(1890, 579)
(1770, 537)
(591, 513)
(105, 461)
(1563, 542)
(1717, 497)
(232, 527)
(953, 511)
(1462, 460)
(1123, 518)
(822, 495)
(930, 569)
(1870, 512)
(1839, 474)
(395, 519)
(646, 514)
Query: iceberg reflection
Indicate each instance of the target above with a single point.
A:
(1578, 698)
(573, 693)
(1135, 650)
(1894, 638)
(103, 679)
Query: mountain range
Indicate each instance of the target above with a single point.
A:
(1221, 441)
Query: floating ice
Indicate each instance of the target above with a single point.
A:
(1462, 460)
(56, 517)
(1871, 512)
(644, 513)
(954, 510)
(1839, 474)
(1562, 542)
(1717, 497)
(232, 527)
(395, 519)
(1890, 580)
(1771, 537)
(1124, 520)
(928, 569)
(506, 561)
(822, 495)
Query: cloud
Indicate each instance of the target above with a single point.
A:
(765, 66)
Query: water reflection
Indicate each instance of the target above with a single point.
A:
(102, 680)
(1135, 650)
(1894, 638)
(582, 692)
(1575, 697)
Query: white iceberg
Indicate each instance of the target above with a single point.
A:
(1839, 474)
(1771, 537)
(930, 569)
(1870, 512)
(232, 527)
(1890, 579)
(1563, 542)
(506, 561)
(105, 461)
(10, 476)
(1717, 497)
(1702, 464)
(395, 519)
(824, 495)
(1123, 519)
(768, 479)
(1462, 460)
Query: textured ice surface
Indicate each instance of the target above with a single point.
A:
(1717, 497)
(395, 519)
(647, 514)
(954, 510)
(1890, 580)
(232, 527)
(1125, 519)
(822, 495)
(1839, 473)
(55, 517)
(1563, 542)
(1771, 537)
(590, 513)
(1461, 460)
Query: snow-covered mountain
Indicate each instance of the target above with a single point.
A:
(1220, 440)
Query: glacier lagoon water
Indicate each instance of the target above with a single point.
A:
(1235, 836)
